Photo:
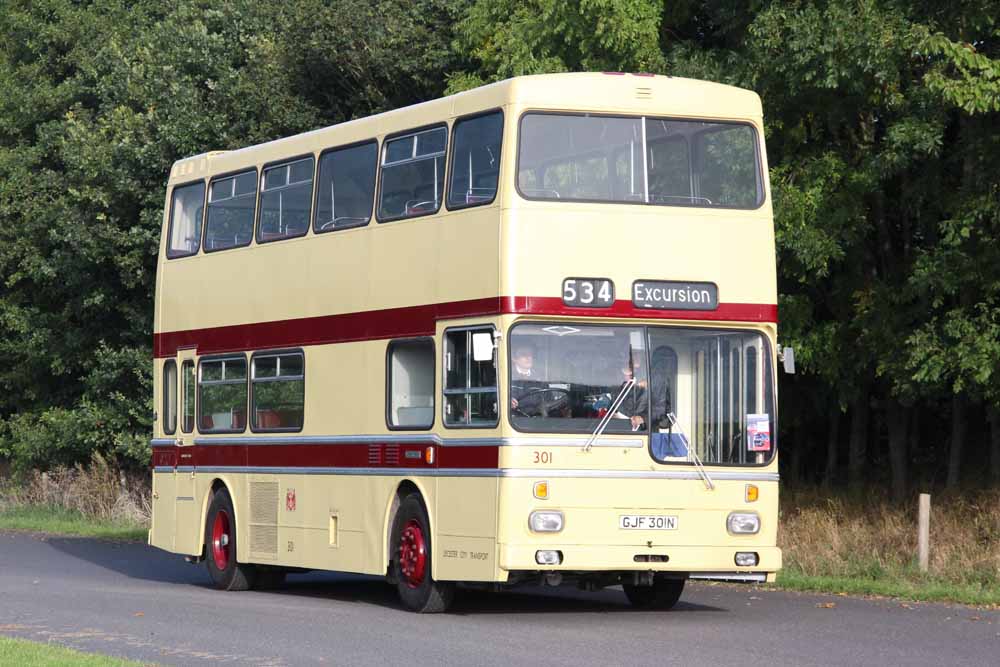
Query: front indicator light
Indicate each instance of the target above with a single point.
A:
(743, 523)
(541, 490)
(545, 522)
(548, 557)
(747, 558)
(752, 493)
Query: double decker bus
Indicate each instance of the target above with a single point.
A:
(521, 334)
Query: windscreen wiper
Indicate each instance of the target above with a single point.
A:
(692, 455)
(615, 404)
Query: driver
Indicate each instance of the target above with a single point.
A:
(633, 407)
(523, 377)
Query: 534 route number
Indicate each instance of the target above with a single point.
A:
(588, 292)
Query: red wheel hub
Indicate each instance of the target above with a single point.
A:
(413, 554)
(221, 540)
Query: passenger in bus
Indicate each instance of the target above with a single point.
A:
(663, 370)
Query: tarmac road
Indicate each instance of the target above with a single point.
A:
(135, 601)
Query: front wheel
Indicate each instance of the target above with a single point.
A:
(220, 543)
(411, 563)
(663, 594)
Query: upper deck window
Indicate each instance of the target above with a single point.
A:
(412, 174)
(230, 211)
(346, 187)
(639, 160)
(186, 207)
(286, 200)
(475, 169)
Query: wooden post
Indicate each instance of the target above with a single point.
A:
(45, 487)
(923, 531)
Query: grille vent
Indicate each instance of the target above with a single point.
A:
(391, 455)
(374, 455)
(264, 540)
(264, 502)
(264, 517)
(643, 93)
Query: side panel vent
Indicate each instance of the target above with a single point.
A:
(642, 93)
(264, 540)
(391, 455)
(264, 502)
(264, 518)
(374, 455)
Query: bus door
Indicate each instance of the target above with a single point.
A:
(187, 510)
(162, 528)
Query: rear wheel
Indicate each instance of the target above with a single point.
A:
(663, 594)
(220, 543)
(411, 564)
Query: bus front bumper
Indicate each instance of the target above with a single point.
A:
(715, 562)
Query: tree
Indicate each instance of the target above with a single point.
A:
(97, 100)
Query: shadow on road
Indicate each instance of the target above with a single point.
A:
(140, 561)
(137, 561)
(471, 602)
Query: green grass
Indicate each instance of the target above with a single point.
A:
(60, 521)
(23, 652)
(907, 586)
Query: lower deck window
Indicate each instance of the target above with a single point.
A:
(410, 384)
(279, 390)
(169, 397)
(470, 379)
(187, 396)
(223, 395)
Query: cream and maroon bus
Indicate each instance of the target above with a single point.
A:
(521, 334)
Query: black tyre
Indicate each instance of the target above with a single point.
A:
(663, 594)
(411, 560)
(220, 546)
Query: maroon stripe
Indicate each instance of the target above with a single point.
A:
(340, 455)
(418, 321)
(345, 328)
(729, 312)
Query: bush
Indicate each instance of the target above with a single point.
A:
(112, 419)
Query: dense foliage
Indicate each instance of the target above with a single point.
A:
(882, 130)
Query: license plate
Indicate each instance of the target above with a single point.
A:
(647, 522)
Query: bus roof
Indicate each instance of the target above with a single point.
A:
(605, 92)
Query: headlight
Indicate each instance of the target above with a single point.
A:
(743, 523)
(546, 522)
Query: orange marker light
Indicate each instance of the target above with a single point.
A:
(752, 493)
(541, 490)
(429, 455)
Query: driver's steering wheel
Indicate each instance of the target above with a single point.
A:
(544, 406)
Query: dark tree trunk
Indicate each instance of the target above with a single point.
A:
(994, 417)
(897, 420)
(858, 450)
(832, 443)
(957, 441)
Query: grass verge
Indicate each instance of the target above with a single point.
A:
(23, 652)
(62, 521)
(925, 590)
